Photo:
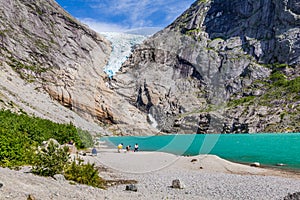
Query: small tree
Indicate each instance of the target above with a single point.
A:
(84, 174)
(51, 160)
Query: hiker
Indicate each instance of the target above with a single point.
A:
(94, 152)
(128, 148)
(120, 147)
(71, 142)
(136, 147)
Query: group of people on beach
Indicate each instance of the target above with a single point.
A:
(128, 148)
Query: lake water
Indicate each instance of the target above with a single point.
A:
(267, 149)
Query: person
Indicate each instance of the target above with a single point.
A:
(71, 142)
(128, 148)
(120, 147)
(94, 152)
(136, 147)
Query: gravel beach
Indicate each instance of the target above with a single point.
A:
(203, 177)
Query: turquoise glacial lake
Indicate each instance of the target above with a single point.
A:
(267, 149)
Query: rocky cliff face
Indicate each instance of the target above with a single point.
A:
(223, 66)
(51, 51)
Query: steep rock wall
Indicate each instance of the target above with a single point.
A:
(53, 52)
(191, 75)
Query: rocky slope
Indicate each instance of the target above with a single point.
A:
(50, 51)
(223, 66)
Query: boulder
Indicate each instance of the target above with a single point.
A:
(31, 197)
(131, 187)
(255, 164)
(59, 177)
(177, 184)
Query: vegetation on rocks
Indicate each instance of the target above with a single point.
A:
(84, 174)
(21, 134)
(51, 160)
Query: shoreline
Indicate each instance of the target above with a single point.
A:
(279, 170)
(203, 177)
(238, 167)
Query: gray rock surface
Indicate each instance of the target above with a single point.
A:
(50, 51)
(187, 75)
(59, 177)
(210, 71)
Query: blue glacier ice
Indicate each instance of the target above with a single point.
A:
(122, 46)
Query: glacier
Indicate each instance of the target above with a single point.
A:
(122, 46)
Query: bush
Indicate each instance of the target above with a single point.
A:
(84, 174)
(241, 101)
(278, 79)
(294, 85)
(51, 160)
(20, 135)
(86, 139)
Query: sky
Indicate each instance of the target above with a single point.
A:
(123, 15)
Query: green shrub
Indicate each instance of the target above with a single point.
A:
(294, 85)
(84, 174)
(85, 138)
(21, 134)
(54, 160)
(241, 101)
(278, 79)
(15, 148)
(51, 160)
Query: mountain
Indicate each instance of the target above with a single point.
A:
(229, 66)
(52, 67)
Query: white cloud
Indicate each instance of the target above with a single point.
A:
(137, 13)
(108, 27)
(103, 26)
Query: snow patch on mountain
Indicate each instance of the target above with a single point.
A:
(122, 46)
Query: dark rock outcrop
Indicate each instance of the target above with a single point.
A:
(210, 71)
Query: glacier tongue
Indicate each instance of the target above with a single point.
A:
(122, 45)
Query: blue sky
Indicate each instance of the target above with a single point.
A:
(121, 15)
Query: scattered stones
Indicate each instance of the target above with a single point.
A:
(255, 164)
(1, 185)
(294, 196)
(31, 197)
(194, 160)
(131, 187)
(59, 177)
(177, 184)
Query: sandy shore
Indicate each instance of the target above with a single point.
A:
(204, 177)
